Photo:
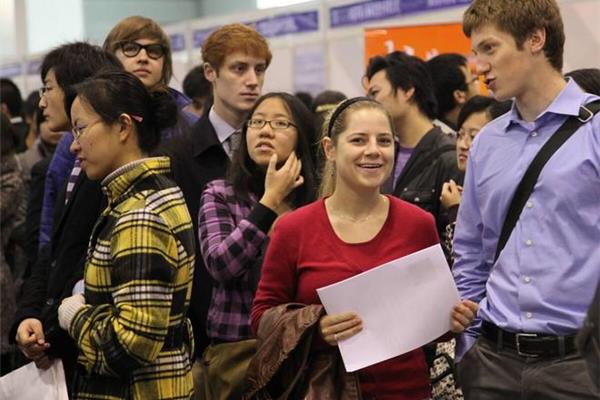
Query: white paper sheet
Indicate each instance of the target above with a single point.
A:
(403, 304)
(31, 383)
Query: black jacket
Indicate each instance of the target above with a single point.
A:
(197, 157)
(34, 212)
(432, 163)
(60, 265)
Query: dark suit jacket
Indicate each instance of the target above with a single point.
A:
(60, 265)
(197, 157)
(34, 212)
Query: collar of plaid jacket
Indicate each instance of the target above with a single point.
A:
(120, 182)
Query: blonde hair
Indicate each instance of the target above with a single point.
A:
(333, 129)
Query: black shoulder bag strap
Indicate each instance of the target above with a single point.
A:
(566, 130)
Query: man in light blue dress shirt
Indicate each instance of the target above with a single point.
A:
(534, 297)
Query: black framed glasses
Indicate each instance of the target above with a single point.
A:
(132, 49)
(258, 123)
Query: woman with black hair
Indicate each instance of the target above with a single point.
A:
(130, 323)
(475, 114)
(271, 173)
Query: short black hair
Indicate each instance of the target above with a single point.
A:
(476, 104)
(11, 96)
(74, 62)
(305, 98)
(447, 77)
(588, 79)
(8, 136)
(329, 99)
(196, 85)
(407, 72)
(112, 92)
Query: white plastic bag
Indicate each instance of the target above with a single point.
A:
(31, 383)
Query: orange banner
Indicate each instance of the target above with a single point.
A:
(423, 41)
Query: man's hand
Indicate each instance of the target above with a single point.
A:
(463, 314)
(31, 341)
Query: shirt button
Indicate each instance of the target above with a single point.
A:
(527, 279)
(529, 242)
(529, 204)
(529, 315)
(50, 302)
(534, 134)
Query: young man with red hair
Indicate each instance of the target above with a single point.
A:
(235, 59)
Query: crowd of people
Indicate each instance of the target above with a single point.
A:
(170, 246)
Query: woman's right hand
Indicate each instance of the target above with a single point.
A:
(336, 327)
(451, 194)
(280, 182)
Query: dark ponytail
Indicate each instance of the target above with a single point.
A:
(164, 109)
(113, 92)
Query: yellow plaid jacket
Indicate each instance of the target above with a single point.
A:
(134, 339)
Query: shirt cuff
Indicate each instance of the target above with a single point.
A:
(262, 217)
(68, 309)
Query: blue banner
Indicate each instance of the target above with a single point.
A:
(10, 70)
(200, 35)
(33, 67)
(177, 42)
(286, 24)
(359, 13)
(278, 25)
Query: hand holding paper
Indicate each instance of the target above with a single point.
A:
(403, 305)
(334, 328)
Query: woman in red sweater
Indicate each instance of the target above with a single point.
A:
(352, 229)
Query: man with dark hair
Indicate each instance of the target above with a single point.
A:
(535, 272)
(425, 156)
(60, 263)
(11, 104)
(199, 89)
(454, 85)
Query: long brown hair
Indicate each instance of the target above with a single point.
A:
(134, 28)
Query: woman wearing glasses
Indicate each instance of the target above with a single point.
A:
(130, 323)
(271, 173)
(144, 50)
(474, 115)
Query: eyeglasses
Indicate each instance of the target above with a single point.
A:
(132, 49)
(43, 90)
(258, 123)
(77, 131)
